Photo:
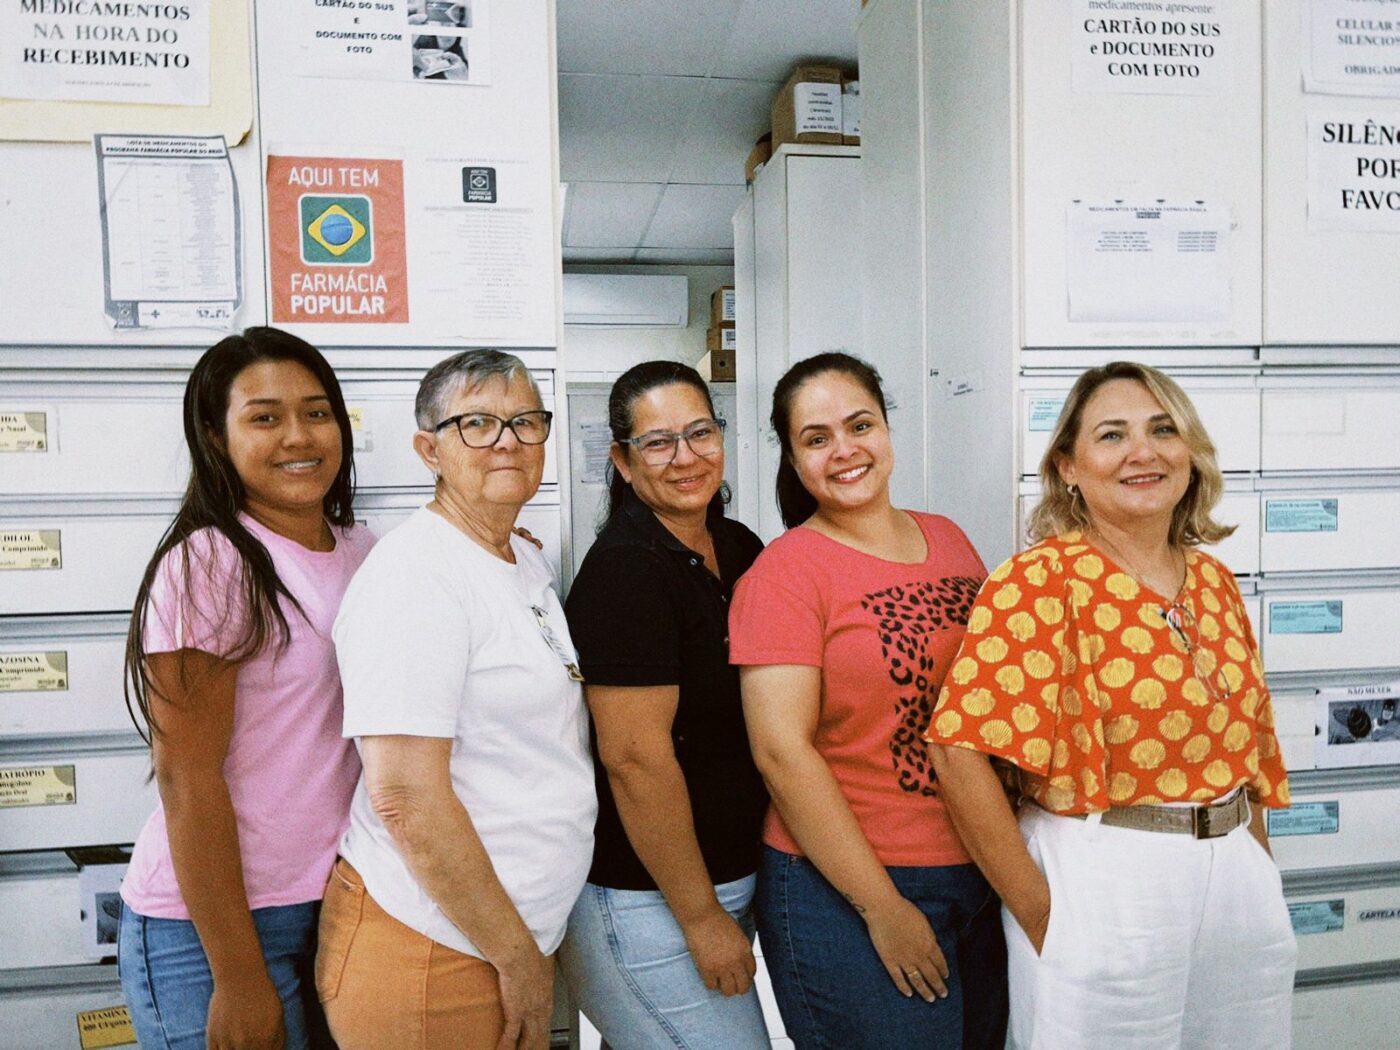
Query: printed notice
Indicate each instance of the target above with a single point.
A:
(33, 672)
(1300, 515)
(434, 41)
(360, 433)
(172, 256)
(1354, 172)
(1150, 261)
(1351, 47)
(38, 786)
(817, 108)
(31, 549)
(597, 448)
(1144, 49)
(99, 1029)
(24, 431)
(336, 240)
(1357, 725)
(1043, 413)
(1304, 818)
(1305, 617)
(83, 51)
(1317, 916)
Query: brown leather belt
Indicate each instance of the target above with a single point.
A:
(1200, 822)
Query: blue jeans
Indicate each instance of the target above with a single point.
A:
(831, 987)
(628, 967)
(167, 984)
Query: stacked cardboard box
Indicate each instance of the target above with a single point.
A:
(808, 108)
(720, 340)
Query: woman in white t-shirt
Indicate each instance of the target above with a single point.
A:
(471, 829)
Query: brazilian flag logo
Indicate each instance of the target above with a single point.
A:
(336, 230)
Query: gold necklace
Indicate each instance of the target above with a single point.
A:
(1132, 569)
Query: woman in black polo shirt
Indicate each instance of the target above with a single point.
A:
(659, 950)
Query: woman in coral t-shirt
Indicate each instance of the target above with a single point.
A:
(1112, 668)
(877, 930)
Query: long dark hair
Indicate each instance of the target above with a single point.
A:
(795, 503)
(215, 495)
(622, 402)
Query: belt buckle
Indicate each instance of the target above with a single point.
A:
(1203, 822)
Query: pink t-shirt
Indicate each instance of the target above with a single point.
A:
(290, 773)
(884, 634)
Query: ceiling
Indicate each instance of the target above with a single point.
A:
(660, 102)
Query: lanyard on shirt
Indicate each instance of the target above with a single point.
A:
(565, 657)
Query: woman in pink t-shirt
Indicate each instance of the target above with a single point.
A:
(877, 929)
(230, 663)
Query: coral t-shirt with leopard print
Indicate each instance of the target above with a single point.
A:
(883, 634)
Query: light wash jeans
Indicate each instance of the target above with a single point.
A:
(167, 984)
(629, 970)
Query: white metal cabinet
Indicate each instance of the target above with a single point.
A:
(1325, 528)
(80, 678)
(1330, 421)
(1337, 819)
(111, 796)
(1346, 919)
(1364, 1004)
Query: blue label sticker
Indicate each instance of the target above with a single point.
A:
(1300, 515)
(1305, 617)
(1304, 818)
(1317, 916)
(1043, 413)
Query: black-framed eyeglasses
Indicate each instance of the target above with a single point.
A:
(1181, 619)
(483, 430)
(658, 447)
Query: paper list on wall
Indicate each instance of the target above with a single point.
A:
(1142, 47)
(1150, 261)
(1354, 172)
(170, 231)
(1351, 47)
(596, 439)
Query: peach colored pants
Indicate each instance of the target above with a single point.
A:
(385, 985)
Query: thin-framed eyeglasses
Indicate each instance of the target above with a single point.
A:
(1180, 618)
(483, 430)
(658, 447)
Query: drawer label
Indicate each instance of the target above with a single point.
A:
(1378, 915)
(32, 549)
(38, 786)
(359, 433)
(1300, 515)
(33, 672)
(98, 1029)
(24, 431)
(1317, 916)
(1305, 617)
(1043, 413)
(1305, 818)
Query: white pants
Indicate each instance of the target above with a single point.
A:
(1156, 942)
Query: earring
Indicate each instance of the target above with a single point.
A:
(1073, 491)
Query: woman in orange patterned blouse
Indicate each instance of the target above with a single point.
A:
(1112, 669)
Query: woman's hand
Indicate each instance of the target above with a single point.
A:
(527, 999)
(526, 535)
(906, 945)
(721, 952)
(245, 1015)
(1035, 929)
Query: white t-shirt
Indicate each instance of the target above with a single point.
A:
(438, 638)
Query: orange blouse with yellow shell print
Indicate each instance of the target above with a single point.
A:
(1071, 670)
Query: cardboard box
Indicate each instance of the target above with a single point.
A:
(761, 153)
(808, 108)
(722, 344)
(724, 340)
(850, 110)
(722, 307)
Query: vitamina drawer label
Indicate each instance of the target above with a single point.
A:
(98, 1029)
(24, 431)
(1305, 818)
(1043, 411)
(1305, 617)
(1300, 515)
(1317, 916)
(38, 786)
(33, 672)
(31, 549)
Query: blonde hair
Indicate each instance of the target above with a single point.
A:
(1059, 510)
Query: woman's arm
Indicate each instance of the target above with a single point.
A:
(634, 743)
(973, 794)
(192, 695)
(781, 708)
(409, 782)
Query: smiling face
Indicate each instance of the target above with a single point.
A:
(282, 437)
(840, 443)
(507, 474)
(1130, 462)
(684, 487)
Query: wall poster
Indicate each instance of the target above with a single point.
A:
(1351, 47)
(434, 41)
(1354, 172)
(1148, 49)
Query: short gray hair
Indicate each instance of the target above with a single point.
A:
(461, 372)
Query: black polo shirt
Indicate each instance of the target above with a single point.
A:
(644, 611)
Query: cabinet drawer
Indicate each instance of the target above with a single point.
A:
(1330, 423)
(58, 677)
(58, 798)
(1351, 1015)
(1352, 922)
(1330, 629)
(65, 1008)
(1318, 530)
(1349, 821)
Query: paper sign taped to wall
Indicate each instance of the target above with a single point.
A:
(335, 234)
(1357, 725)
(1159, 260)
(1351, 47)
(1116, 50)
(429, 41)
(1354, 171)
